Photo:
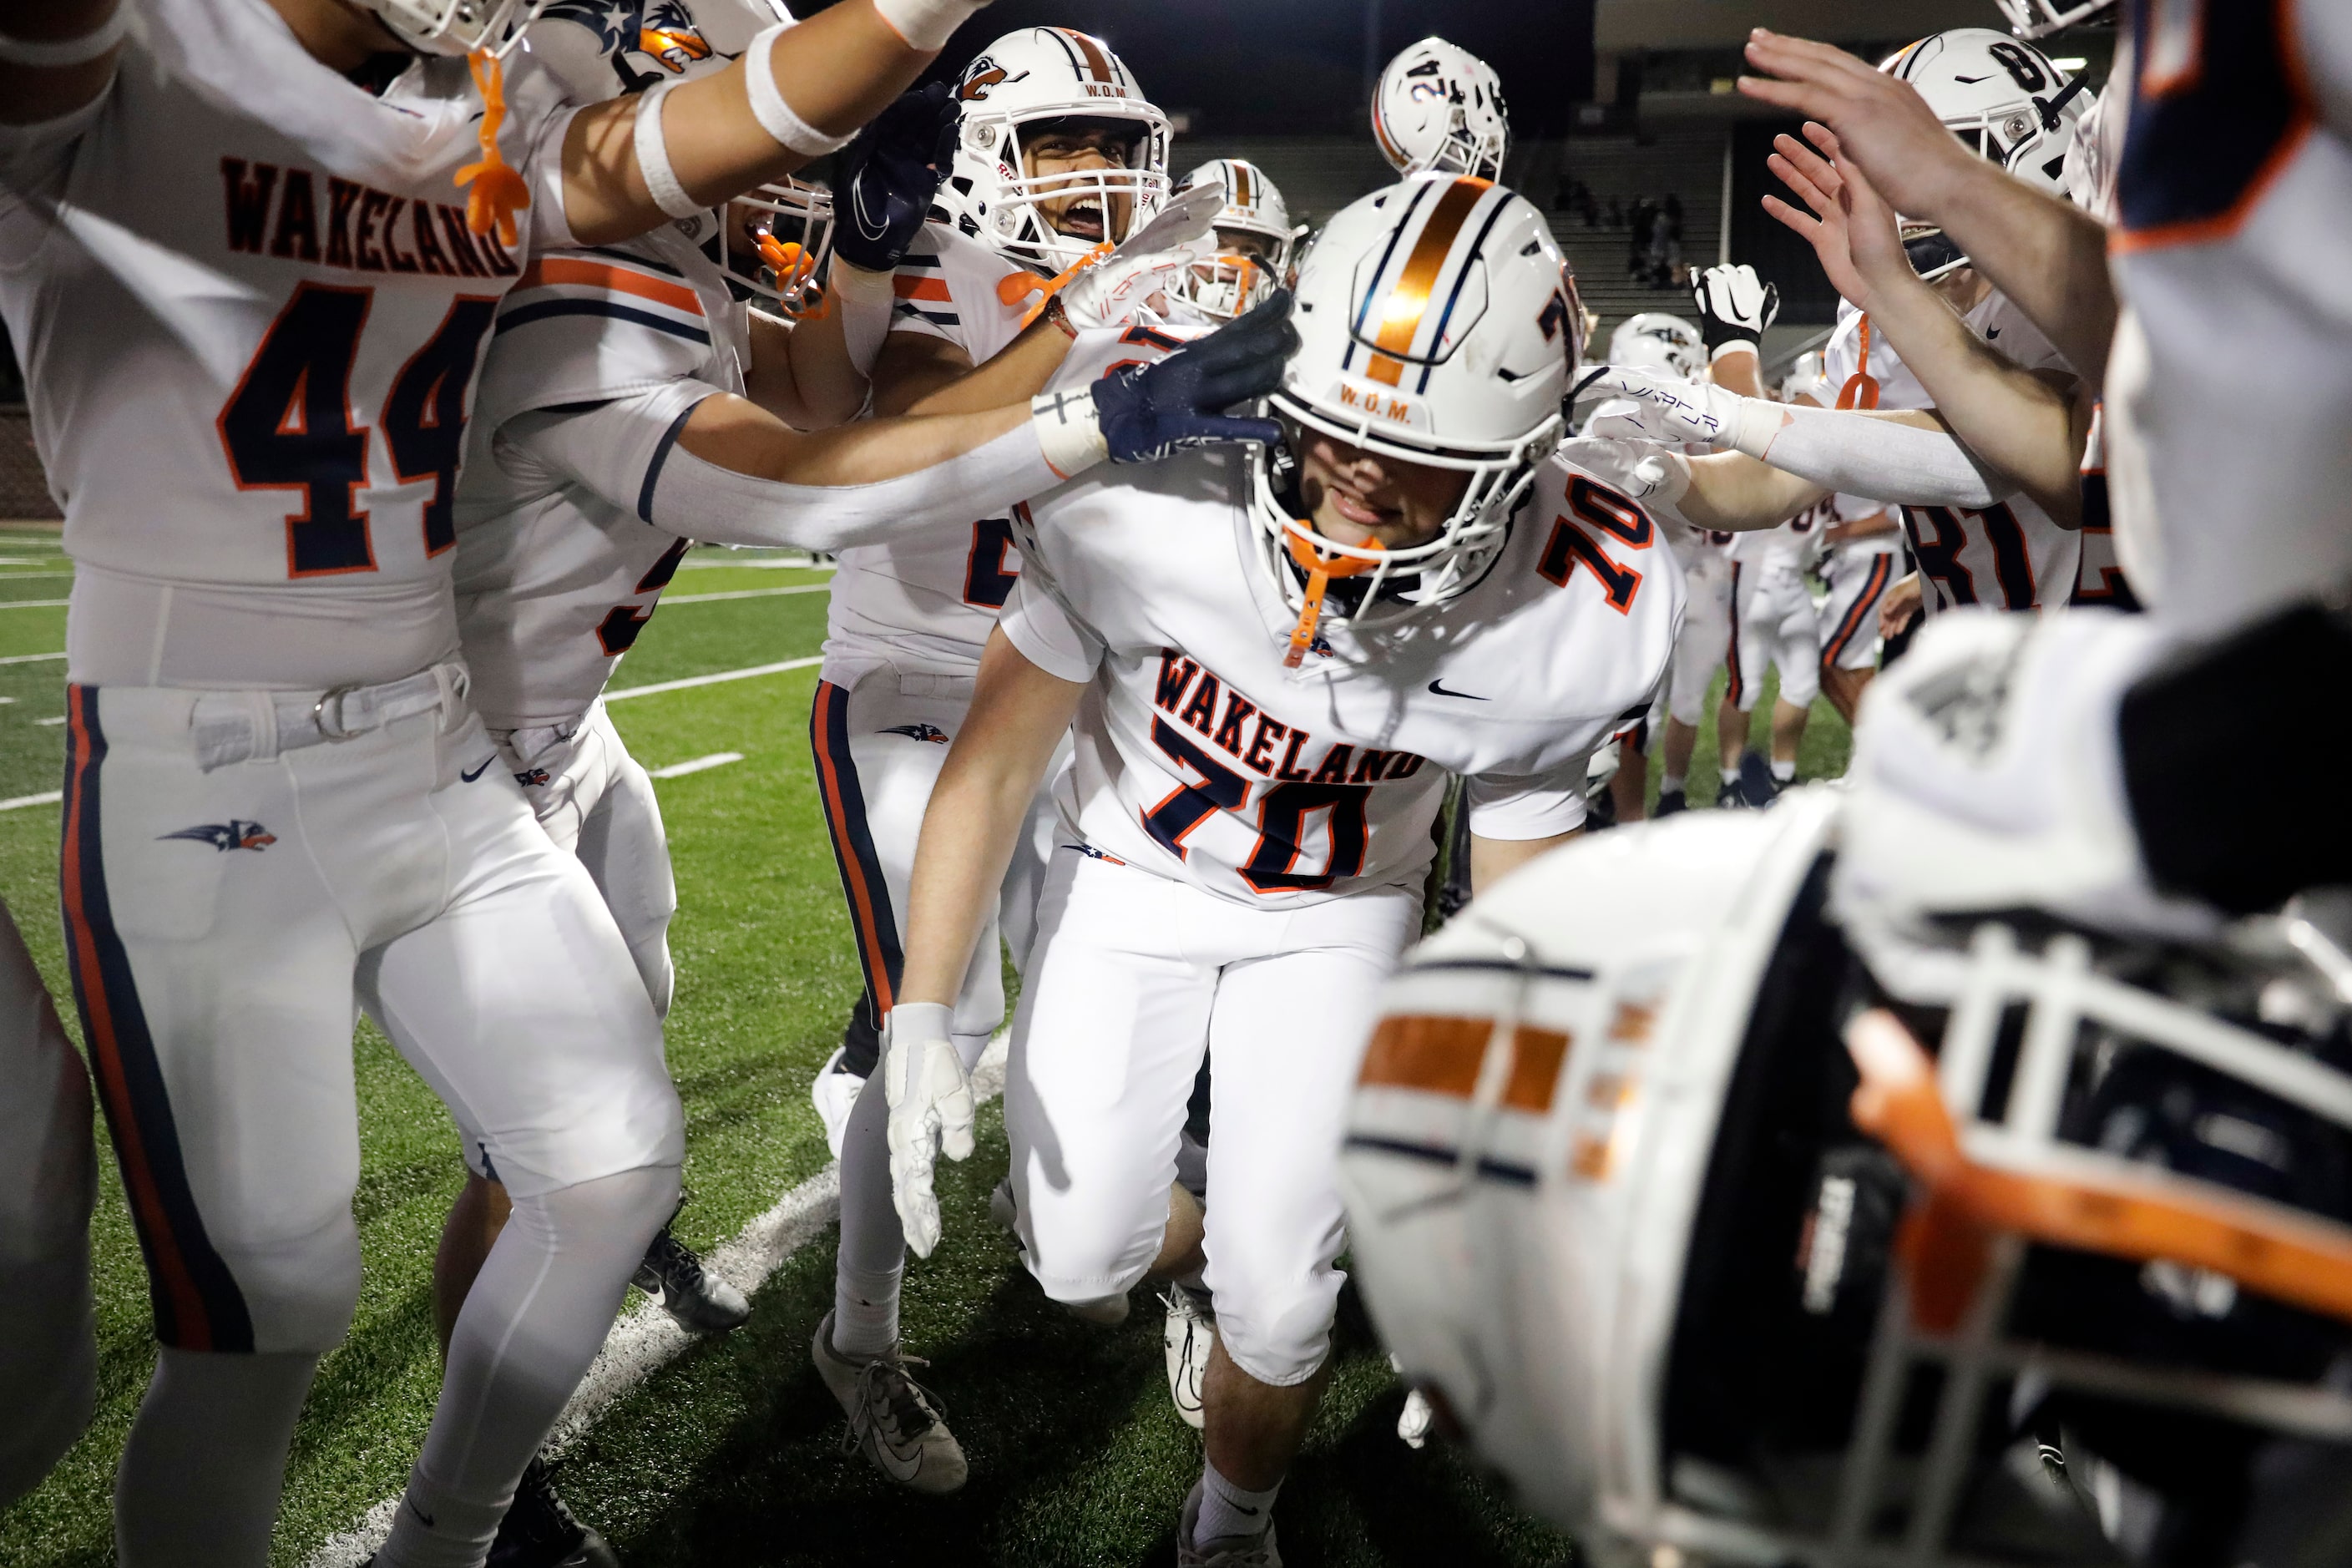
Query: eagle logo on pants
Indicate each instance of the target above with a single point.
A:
(235, 834)
(930, 732)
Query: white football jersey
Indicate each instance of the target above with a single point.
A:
(250, 313)
(928, 600)
(2229, 397)
(2012, 555)
(1198, 756)
(556, 581)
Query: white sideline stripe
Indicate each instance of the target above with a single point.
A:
(714, 598)
(699, 764)
(761, 563)
(692, 680)
(58, 604)
(646, 1339)
(27, 576)
(30, 658)
(47, 797)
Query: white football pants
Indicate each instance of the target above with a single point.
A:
(49, 1182)
(597, 802)
(224, 926)
(1857, 578)
(1772, 623)
(1706, 637)
(1133, 979)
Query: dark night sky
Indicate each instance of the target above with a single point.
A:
(1267, 66)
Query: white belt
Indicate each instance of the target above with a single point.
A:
(243, 726)
(921, 683)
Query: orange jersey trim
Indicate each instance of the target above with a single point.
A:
(553, 271)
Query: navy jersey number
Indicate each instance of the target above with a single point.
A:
(986, 582)
(424, 417)
(289, 426)
(2216, 108)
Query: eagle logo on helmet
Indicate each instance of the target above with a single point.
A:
(668, 35)
(980, 79)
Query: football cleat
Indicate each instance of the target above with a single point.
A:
(1671, 801)
(834, 1093)
(893, 1419)
(1003, 1210)
(1190, 1334)
(1227, 1551)
(689, 1292)
(1757, 787)
(539, 1531)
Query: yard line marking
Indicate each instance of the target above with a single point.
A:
(58, 604)
(692, 680)
(47, 797)
(699, 764)
(56, 719)
(26, 576)
(734, 593)
(30, 658)
(762, 563)
(647, 1338)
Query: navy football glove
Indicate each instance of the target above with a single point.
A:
(886, 179)
(1149, 410)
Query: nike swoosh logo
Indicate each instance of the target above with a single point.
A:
(1992, 333)
(419, 1512)
(469, 778)
(1439, 688)
(1971, 80)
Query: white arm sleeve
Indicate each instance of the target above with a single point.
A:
(627, 451)
(868, 299)
(1879, 458)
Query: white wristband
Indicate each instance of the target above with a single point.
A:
(924, 25)
(1069, 431)
(653, 157)
(868, 299)
(51, 54)
(768, 106)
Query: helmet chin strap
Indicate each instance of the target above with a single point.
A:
(1320, 570)
(1861, 388)
(494, 192)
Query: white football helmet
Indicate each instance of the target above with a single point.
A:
(1019, 83)
(1656, 341)
(2006, 100)
(773, 241)
(2042, 18)
(1805, 379)
(1236, 275)
(1719, 1266)
(1438, 324)
(1439, 107)
(457, 26)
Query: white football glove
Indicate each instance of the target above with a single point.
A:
(930, 1111)
(1987, 775)
(1670, 409)
(1117, 291)
(1734, 306)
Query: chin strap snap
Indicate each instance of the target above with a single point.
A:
(494, 192)
(1320, 570)
(792, 266)
(1861, 388)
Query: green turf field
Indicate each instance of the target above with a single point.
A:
(731, 1454)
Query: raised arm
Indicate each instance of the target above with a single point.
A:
(2028, 424)
(799, 93)
(56, 58)
(2047, 256)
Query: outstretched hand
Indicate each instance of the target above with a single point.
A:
(1887, 129)
(1850, 229)
(1149, 411)
(888, 176)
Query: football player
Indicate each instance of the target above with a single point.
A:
(1254, 246)
(1772, 625)
(1264, 736)
(48, 1184)
(280, 805)
(1439, 107)
(1059, 155)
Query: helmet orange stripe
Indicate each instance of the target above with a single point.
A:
(1444, 1056)
(1408, 299)
(1241, 196)
(1097, 62)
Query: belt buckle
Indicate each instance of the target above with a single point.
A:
(331, 703)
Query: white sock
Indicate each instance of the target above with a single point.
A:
(1786, 773)
(1228, 1511)
(201, 1474)
(865, 1311)
(1730, 775)
(873, 1253)
(1670, 784)
(535, 1318)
